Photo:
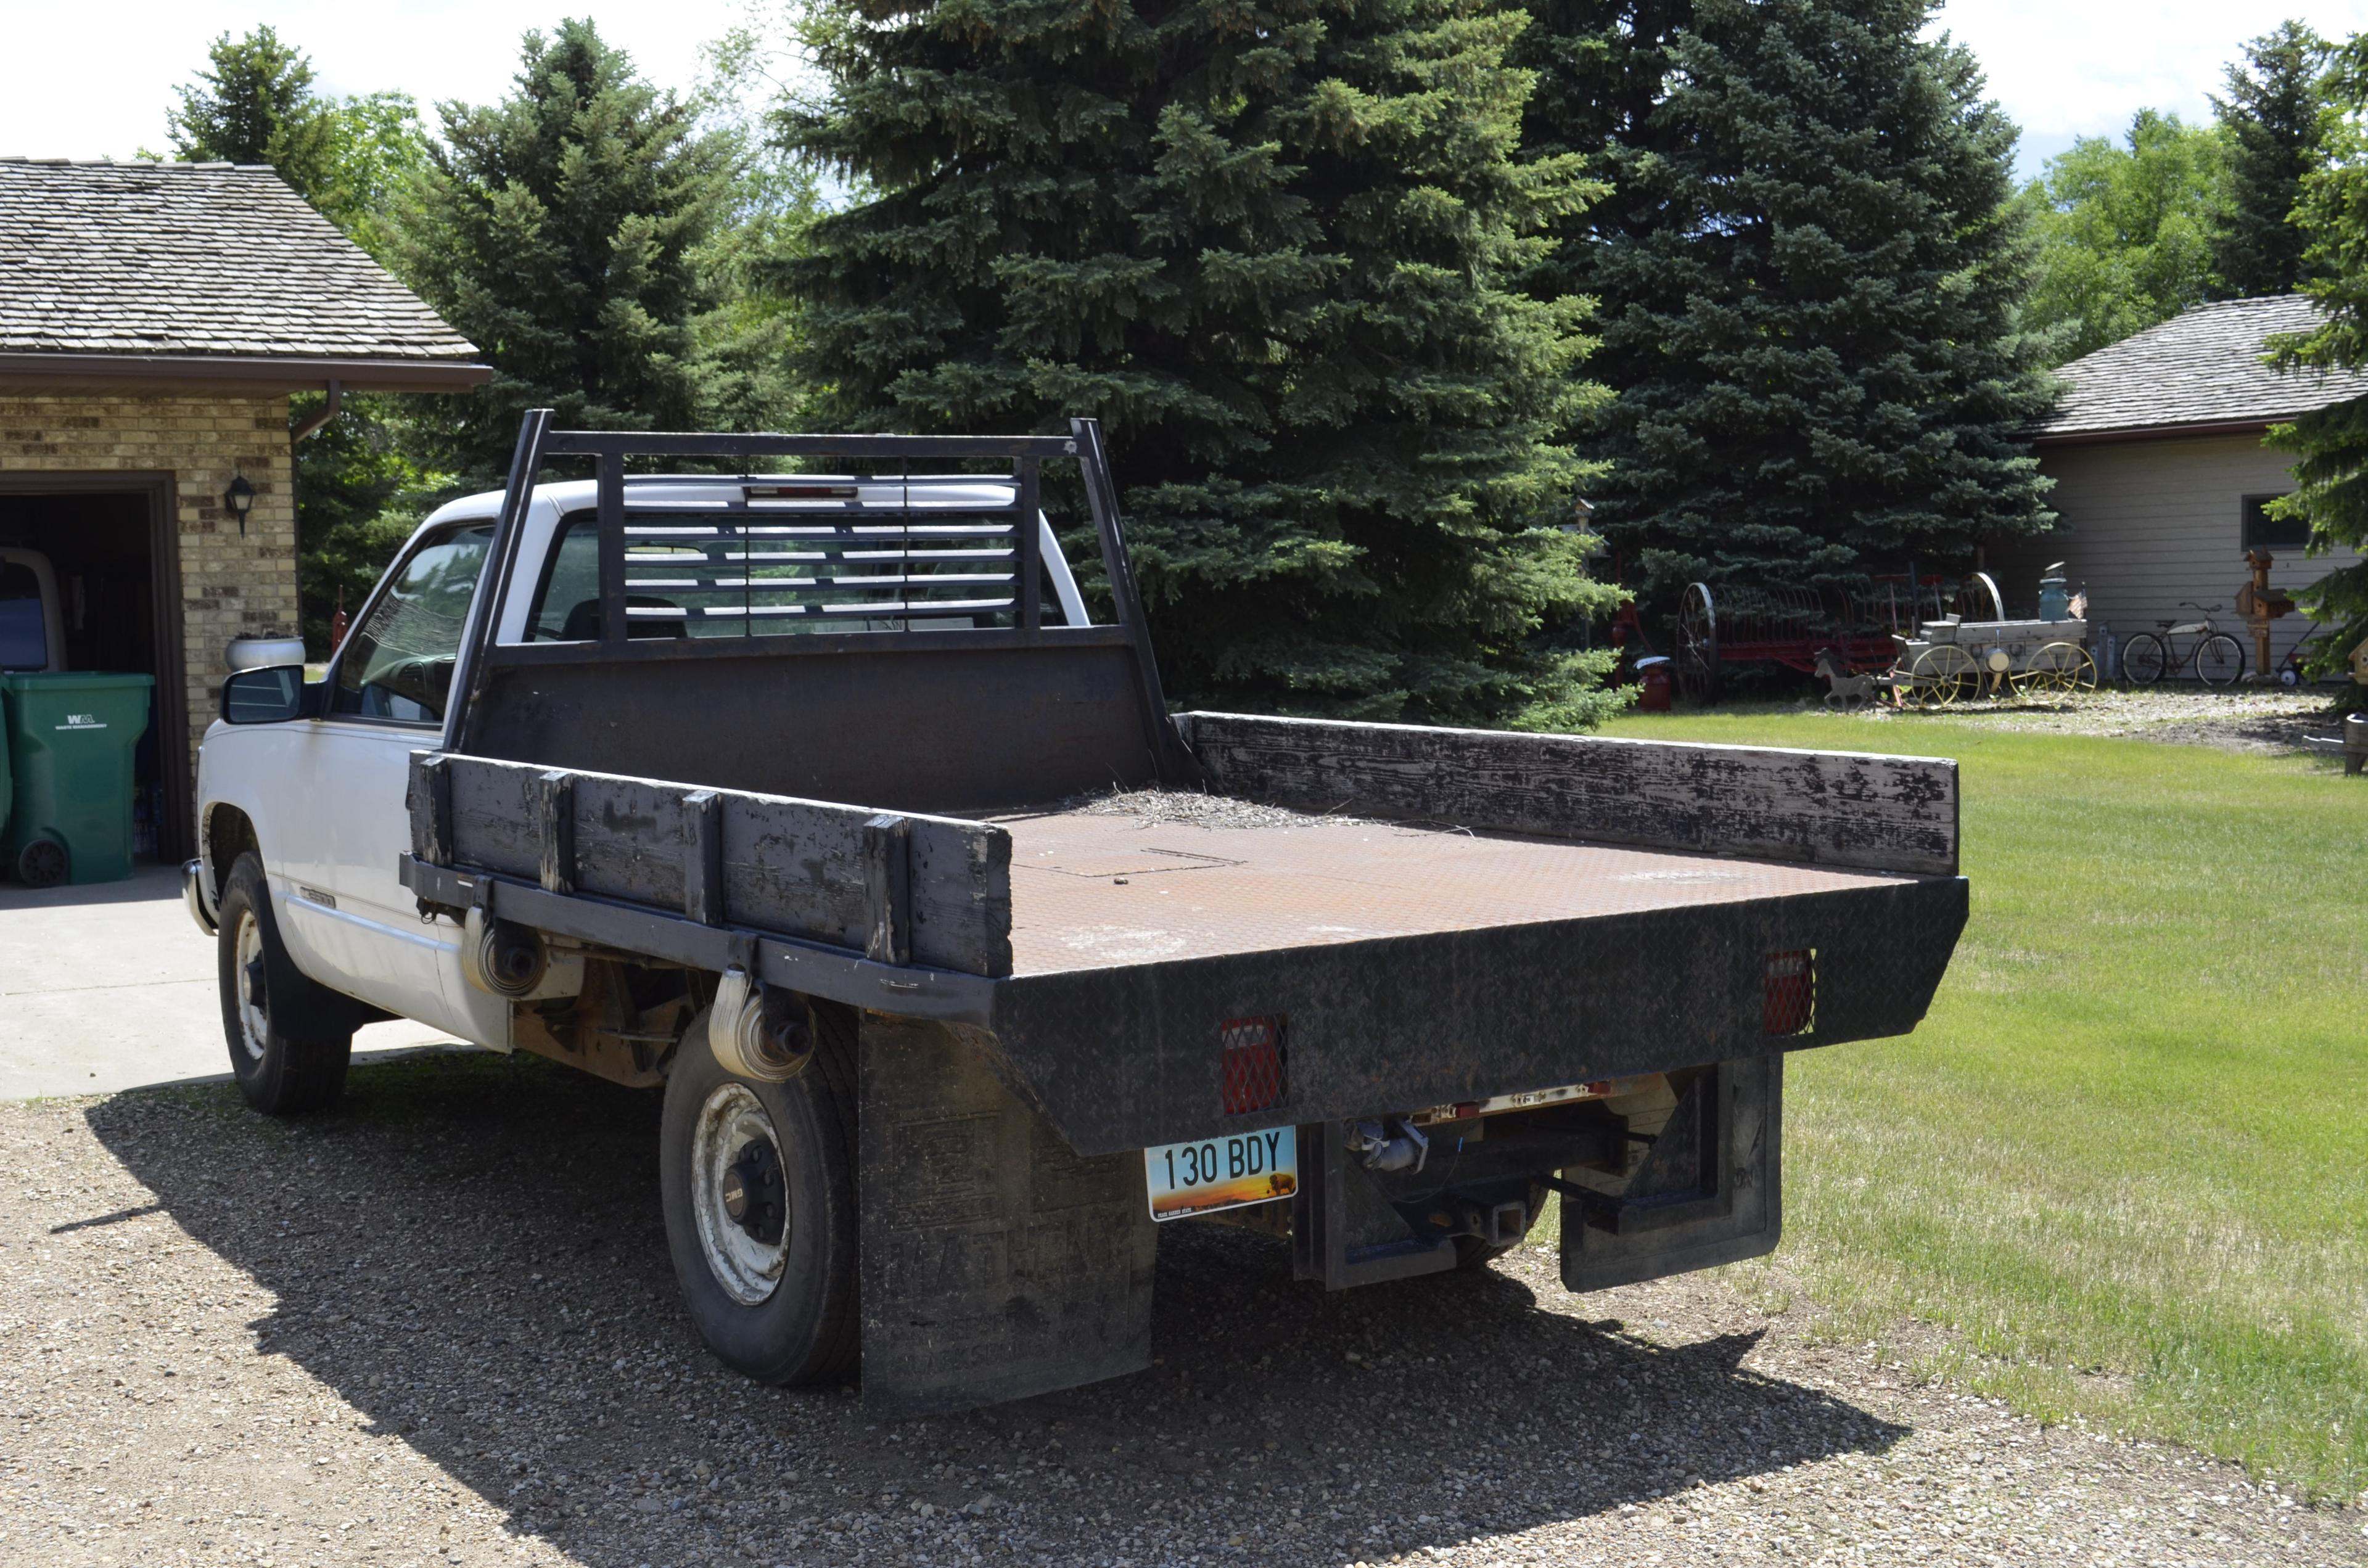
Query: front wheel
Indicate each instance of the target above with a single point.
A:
(2143, 661)
(757, 1183)
(2219, 660)
(281, 1074)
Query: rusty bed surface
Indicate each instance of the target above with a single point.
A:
(1094, 891)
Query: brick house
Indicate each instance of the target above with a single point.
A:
(154, 319)
(2161, 479)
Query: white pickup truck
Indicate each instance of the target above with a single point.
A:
(823, 805)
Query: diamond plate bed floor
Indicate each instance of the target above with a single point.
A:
(1090, 888)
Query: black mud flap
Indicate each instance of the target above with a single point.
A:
(1706, 1192)
(1344, 1231)
(995, 1262)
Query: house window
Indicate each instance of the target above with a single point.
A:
(2265, 532)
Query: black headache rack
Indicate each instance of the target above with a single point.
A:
(917, 710)
(1605, 909)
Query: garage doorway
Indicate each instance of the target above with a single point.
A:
(112, 548)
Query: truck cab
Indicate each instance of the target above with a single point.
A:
(321, 798)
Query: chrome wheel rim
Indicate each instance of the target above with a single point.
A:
(254, 998)
(729, 1151)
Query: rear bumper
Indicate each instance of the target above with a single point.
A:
(197, 895)
(1132, 1057)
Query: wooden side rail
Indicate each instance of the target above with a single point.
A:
(904, 888)
(1888, 814)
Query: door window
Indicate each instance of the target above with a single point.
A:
(398, 664)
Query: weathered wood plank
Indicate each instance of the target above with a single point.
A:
(557, 801)
(703, 856)
(429, 801)
(1892, 813)
(790, 865)
(887, 841)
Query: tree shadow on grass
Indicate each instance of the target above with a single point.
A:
(468, 1252)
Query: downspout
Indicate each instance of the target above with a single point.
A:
(328, 411)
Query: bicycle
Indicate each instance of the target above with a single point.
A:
(2217, 658)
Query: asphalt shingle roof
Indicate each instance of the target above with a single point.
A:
(194, 259)
(2201, 366)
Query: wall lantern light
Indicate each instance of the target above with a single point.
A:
(240, 499)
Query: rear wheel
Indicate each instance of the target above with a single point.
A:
(41, 863)
(758, 1185)
(2219, 660)
(1697, 647)
(280, 1073)
(2058, 669)
(2143, 661)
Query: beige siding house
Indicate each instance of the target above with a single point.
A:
(154, 319)
(2156, 450)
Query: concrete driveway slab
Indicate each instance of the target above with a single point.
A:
(112, 987)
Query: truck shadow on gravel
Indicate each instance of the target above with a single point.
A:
(468, 1252)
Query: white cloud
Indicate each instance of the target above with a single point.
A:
(2066, 68)
(93, 80)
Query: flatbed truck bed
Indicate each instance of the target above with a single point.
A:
(964, 942)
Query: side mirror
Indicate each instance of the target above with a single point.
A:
(269, 696)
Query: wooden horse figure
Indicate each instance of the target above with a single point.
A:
(1844, 690)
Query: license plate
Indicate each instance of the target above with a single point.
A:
(1222, 1173)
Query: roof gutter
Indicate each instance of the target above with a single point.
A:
(328, 411)
(165, 372)
(2158, 432)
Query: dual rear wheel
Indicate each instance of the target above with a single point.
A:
(756, 1181)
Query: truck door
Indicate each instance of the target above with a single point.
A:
(387, 693)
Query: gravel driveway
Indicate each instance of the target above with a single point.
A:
(437, 1327)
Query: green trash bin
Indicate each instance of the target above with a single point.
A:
(70, 739)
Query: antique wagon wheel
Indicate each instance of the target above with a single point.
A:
(1697, 646)
(2058, 667)
(1943, 673)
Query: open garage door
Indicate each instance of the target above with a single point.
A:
(110, 552)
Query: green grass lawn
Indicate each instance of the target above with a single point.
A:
(2125, 1158)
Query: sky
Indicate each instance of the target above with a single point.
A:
(101, 73)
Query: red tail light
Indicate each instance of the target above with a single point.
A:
(1789, 996)
(1252, 1066)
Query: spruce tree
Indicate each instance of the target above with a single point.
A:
(256, 106)
(557, 230)
(1808, 270)
(2331, 447)
(1268, 243)
(2272, 120)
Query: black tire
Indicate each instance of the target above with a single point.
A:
(41, 863)
(797, 1324)
(2143, 659)
(2219, 660)
(280, 1072)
